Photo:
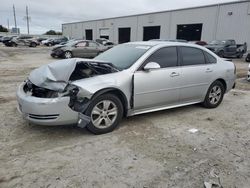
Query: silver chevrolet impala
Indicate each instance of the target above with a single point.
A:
(129, 79)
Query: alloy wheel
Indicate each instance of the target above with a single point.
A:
(68, 55)
(104, 114)
(215, 95)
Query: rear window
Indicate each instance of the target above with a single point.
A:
(192, 56)
(210, 59)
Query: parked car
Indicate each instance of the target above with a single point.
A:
(47, 42)
(1, 38)
(129, 79)
(248, 57)
(7, 41)
(105, 42)
(227, 48)
(248, 74)
(83, 48)
(40, 39)
(24, 41)
(201, 43)
(55, 41)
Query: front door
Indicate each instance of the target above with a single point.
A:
(158, 87)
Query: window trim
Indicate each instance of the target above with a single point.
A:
(181, 57)
(178, 59)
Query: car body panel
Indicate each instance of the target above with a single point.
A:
(157, 84)
(41, 111)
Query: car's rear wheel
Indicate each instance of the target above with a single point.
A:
(105, 113)
(68, 55)
(214, 95)
(221, 53)
(33, 44)
(247, 58)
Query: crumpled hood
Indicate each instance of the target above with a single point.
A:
(55, 76)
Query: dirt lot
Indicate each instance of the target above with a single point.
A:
(150, 150)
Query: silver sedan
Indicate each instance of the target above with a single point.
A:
(129, 79)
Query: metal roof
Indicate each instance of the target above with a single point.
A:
(172, 10)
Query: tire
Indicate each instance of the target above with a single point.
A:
(14, 45)
(102, 121)
(247, 58)
(49, 44)
(214, 95)
(221, 53)
(33, 44)
(67, 55)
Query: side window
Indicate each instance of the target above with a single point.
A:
(81, 44)
(165, 57)
(192, 56)
(209, 58)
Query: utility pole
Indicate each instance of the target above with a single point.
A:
(14, 12)
(8, 23)
(28, 19)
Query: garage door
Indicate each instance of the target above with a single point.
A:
(104, 33)
(189, 32)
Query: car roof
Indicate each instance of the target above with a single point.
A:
(162, 43)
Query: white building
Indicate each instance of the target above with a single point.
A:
(221, 21)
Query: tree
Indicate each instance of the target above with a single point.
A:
(52, 32)
(3, 29)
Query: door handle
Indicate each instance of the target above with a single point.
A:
(173, 74)
(209, 70)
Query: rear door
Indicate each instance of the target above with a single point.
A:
(196, 74)
(80, 49)
(231, 47)
(93, 49)
(159, 87)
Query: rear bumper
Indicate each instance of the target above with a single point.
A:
(54, 111)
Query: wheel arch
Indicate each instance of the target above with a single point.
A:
(117, 92)
(223, 83)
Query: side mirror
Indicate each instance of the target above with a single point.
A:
(151, 66)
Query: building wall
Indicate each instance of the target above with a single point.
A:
(217, 23)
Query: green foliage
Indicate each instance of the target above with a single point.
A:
(52, 32)
(3, 29)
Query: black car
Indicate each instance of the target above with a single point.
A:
(248, 57)
(56, 41)
(7, 41)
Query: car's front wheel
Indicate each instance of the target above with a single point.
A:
(214, 95)
(67, 55)
(105, 113)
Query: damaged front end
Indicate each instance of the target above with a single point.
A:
(49, 96)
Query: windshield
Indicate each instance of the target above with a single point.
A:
(123, 56)
(217, 42)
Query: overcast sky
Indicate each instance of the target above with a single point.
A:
(50, 14)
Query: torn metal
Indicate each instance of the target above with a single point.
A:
(56, 76)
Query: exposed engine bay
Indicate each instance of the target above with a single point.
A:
(51, 81)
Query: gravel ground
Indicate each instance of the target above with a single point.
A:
(150, 150)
